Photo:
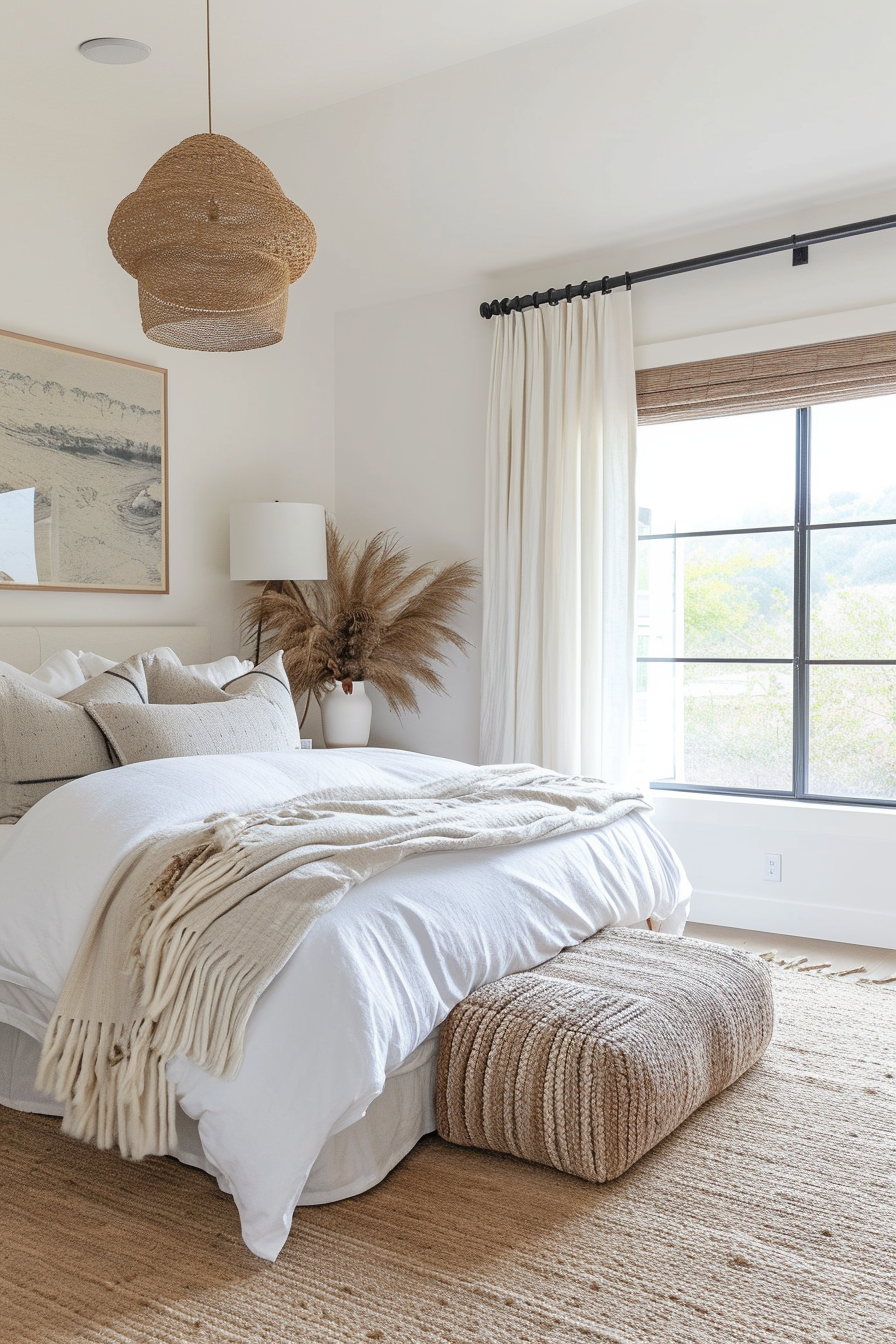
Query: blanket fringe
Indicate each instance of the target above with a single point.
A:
(115, 1089)
(114, 1086)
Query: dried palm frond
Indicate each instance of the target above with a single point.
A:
(372, 619)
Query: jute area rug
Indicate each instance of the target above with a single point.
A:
(766, 1217)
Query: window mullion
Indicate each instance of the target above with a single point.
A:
(801, 605)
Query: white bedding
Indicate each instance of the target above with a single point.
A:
(369, 984)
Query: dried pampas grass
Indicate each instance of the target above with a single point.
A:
(372, 619)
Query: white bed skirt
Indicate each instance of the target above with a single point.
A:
(351, 1161)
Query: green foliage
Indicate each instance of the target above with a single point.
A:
(718, 611)
(737, 727)
(733, 606)
(738, 719)
(852, 719)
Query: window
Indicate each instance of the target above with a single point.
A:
(767, 602)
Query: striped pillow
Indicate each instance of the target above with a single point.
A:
(255, 713)
(44, 742)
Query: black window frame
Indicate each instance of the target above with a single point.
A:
(801, 663)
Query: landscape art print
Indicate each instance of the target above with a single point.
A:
(83, 470)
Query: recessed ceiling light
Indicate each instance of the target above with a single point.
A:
(114, 50)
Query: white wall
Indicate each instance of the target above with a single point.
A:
(411, 383)
(241, 426)
(410, 424)
(836, 872)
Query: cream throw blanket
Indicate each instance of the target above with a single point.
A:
(193, 928)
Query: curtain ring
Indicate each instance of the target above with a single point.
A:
(496, 308)
(605, 285)
(535, 303)
(569, 293)
(515, 303)
(552, 299)
(585, 284)
(628, 280)
(505, 306)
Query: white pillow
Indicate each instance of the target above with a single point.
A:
(225, 669)
(58, 675)
(94, 664)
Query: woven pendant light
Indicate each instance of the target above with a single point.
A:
(214, 245)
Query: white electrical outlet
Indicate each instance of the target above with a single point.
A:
(772, 868)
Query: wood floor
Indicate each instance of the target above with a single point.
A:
(878, 962)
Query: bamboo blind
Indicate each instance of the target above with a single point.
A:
(802, 375)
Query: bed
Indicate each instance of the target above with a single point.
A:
(338, 1079)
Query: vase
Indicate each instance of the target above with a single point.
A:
(346, 718)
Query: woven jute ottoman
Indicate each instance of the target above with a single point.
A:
(588, 1061)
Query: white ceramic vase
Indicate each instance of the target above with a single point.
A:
(346, 718)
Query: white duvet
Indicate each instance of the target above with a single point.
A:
(372, 979)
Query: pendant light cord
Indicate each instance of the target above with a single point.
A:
(208, 58)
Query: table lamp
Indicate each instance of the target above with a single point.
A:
(274, 542)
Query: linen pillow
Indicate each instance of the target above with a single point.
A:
(213, 674)
(44, 741)
(171, 682)
(268, 679)
(123, 683)
(57, 674)
(256, 714)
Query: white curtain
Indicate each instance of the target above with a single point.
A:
(559, 563)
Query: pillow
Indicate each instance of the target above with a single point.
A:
(221, 671)
(123, 683)
(268, 679)
(92, 664)
(256, 714)
(169, 681)
(58, 674)
(44, 742)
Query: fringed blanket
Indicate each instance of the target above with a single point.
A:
(195, 926)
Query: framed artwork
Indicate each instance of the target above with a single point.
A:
(83, 470)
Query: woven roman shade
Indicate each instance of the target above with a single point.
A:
(802, 375)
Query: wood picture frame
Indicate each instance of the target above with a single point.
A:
(83, 470)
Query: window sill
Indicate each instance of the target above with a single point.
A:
(743, 805)
(758, 801)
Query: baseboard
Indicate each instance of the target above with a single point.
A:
(837, 924)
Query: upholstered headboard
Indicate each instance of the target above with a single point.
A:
(26, 646)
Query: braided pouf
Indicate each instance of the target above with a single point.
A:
(588, 1061)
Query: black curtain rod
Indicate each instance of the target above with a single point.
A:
(798, 243)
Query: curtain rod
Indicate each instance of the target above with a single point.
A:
(798, 243)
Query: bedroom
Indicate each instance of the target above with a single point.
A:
(444, 165)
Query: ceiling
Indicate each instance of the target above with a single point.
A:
(667, 118)
(437, 145)
(271, 59)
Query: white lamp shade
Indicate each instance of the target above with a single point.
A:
(278, 541)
